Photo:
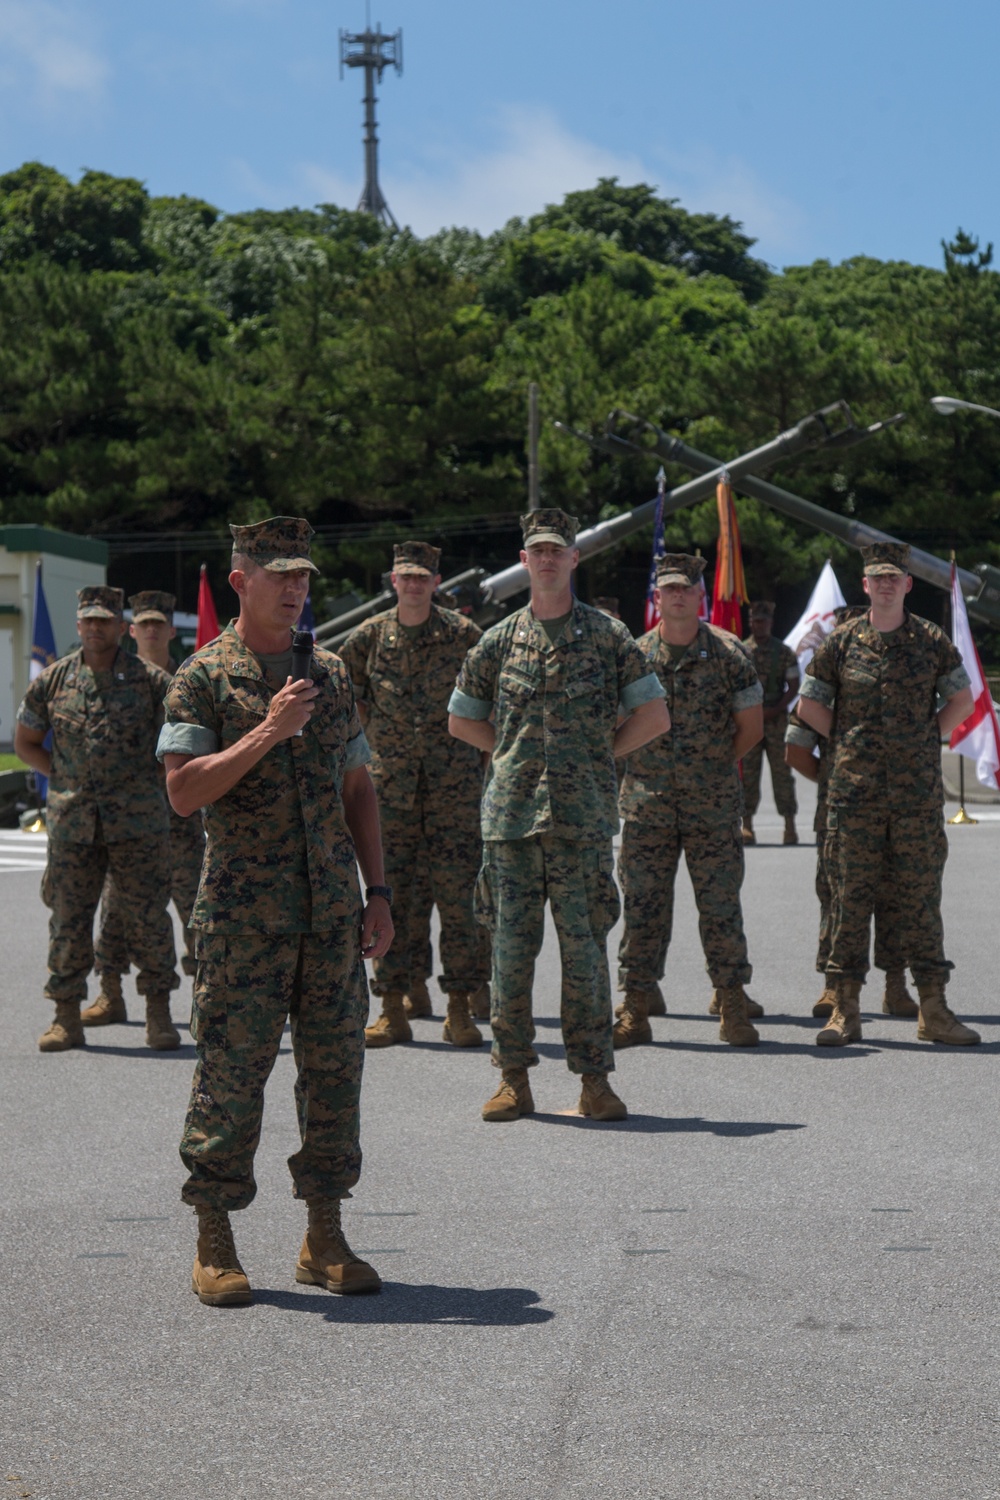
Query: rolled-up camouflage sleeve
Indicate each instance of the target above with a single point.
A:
(475, 688)
(33, 713)
(952, 676)
(744, 684)
(822, 675)
(358, 752)
(190, 726)
(636, 683)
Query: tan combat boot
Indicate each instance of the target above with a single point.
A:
(937, 1023)
(735, 1027)
(633, 1029)
(392, 1025)
(844, 1024)
(897, 1000)
(161, 1033)
(417, 1001)
(458, 1028)
(655, 1004)
(66, 1030)
(754, 1009)
(512, 1099)
(218, 1278)
(791, 835)
(599, 1100)
(326, 1259)
(824, 1005)
(479, 1002)
(749, 837)
(109, 1007)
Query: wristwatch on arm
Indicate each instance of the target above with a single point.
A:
(385, 891)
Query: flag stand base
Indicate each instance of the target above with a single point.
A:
(962, 817)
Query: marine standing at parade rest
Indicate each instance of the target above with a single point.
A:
(403, 665)
(280, 768)
(152, 629)
(554, 678)
(778, 669)
(809, 753)
(887, 687)
(682, 792)
(106, 814)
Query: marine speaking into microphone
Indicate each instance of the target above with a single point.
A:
(293, 842)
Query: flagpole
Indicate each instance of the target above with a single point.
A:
(961, 816)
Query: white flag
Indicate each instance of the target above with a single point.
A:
(979, 736)
(818, 619)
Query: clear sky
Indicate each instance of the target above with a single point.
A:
(864, 127)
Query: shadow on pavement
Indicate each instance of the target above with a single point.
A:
(400, 1302)
(665, 1125)
(769, 1046)
(185, 1052)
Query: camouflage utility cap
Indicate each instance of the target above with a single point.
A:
(762, 609)
(886, 557)
(550, 525)
(152, 604)
(678, 568)
(416, 557)
(281, 544)
(99, 602)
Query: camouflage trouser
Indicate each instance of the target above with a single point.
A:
(246, 987)
(431, 852)
(887, 913)
(187, 849)
(647, 869)
(576, 877)
(71, 889)
(782, 779)
(868, 848)
(419, 941)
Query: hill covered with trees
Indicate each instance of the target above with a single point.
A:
(166, 368)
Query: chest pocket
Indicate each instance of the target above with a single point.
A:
(586, 682)
(517, 685)
(244, 709)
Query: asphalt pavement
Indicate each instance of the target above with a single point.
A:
(777, 1278)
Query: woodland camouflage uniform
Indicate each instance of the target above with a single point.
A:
(429, 789)
(884, 795)
(775, 664)
(106, 812)
(549, 812)
(277, 918)
(889, 898)
(682, 792)
(187, 850)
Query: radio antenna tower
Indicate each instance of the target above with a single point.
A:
(374, 51)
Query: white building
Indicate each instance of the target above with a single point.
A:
(68, 563)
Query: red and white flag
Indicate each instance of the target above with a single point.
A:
(979, 736)
(818, 619)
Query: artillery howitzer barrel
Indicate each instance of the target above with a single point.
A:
(923, 565)
(812, 432)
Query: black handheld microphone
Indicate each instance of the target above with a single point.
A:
(302, 650)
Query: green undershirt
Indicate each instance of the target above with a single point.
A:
(554, 628)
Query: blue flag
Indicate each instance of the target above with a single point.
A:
(43, 653)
